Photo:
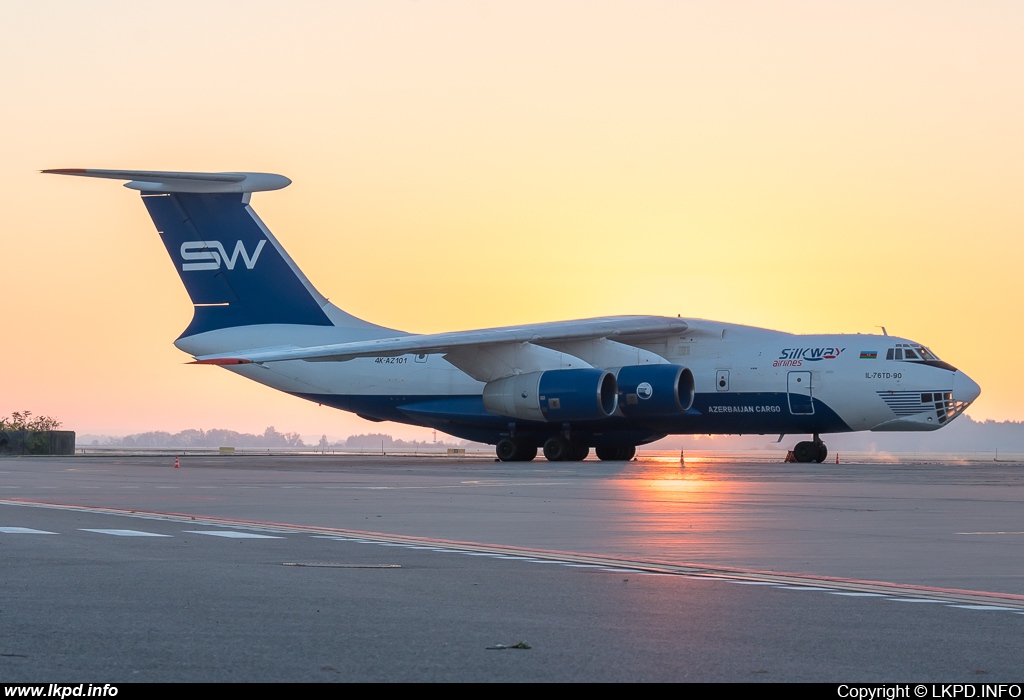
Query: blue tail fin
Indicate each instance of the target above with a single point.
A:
(232, 267)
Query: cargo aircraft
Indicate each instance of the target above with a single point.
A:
(608, 383)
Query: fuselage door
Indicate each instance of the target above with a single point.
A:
(800, 402)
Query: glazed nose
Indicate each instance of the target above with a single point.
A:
(964, 388)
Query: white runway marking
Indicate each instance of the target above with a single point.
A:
(622, 571)
(24, 531)
(234, 534)
(916, 600)
(971, 600)
(124, 533)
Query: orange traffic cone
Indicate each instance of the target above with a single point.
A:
(176, 465)
(837, 458)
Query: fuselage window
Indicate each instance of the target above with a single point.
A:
(910, 354)
(889, 355)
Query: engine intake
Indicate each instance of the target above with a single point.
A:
(653, 390)
(555, 395)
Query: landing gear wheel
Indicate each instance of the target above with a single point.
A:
(507, 450)
(805, 452)
(510, 450)
(579, 453)
(617, 453)
(822, 453)
(557, 449)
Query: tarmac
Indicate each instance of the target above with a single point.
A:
(383, 568)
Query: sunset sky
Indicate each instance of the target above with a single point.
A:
(803, 166)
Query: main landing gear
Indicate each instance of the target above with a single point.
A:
(560, 449)
(512, 450)
(810, 451)
(618, 453)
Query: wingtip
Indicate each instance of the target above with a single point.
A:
(63, 171)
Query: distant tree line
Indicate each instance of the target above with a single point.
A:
(375, 440)
(270, 438)
(208, 438)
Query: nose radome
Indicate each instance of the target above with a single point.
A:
(965, 388)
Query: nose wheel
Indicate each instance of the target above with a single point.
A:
(810, 451)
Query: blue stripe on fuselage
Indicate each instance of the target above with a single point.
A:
(717, 413)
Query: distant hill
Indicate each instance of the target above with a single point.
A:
(271, 438)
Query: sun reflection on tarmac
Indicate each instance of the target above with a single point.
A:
(682, 511)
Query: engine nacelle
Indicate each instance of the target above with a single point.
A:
(654, 390)
(556, 395)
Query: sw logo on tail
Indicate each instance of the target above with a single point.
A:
(201, 250)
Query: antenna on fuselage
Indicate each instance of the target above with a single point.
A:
(884, 332)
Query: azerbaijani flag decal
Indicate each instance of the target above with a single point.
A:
(868, 354)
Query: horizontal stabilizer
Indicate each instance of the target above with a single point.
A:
(195, 183)
(221, 361)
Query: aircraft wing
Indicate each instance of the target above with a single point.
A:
(620, 328)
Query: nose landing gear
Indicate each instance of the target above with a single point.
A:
(810, 451)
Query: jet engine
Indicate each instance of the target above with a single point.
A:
(654, 390)
(555, 395)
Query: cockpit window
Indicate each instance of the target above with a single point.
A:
(914, 353)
